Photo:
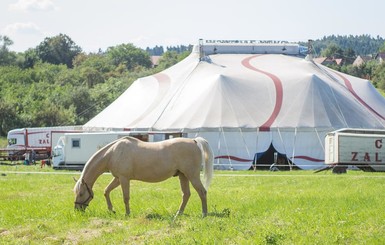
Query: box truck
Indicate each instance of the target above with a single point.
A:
(363, 148)
(37, 140)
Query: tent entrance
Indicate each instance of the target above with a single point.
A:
(271, 159)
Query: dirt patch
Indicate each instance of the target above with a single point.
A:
(4, 232)
(82, 235)
(96, 228)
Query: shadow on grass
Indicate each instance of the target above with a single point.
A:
(225, 213)
(10, 163)
(156, 216)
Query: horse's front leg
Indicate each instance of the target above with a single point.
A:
(125, 184)
(112, 185)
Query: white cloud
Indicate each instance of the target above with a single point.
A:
(33, 5)
(24, 35)
(22, 28)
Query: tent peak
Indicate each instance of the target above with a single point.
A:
(209, 47)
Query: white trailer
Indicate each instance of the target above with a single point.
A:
(363, 148)
(40, 140)
(74, 149)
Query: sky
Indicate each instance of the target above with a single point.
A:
(99, 24)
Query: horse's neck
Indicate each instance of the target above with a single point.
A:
(93, 169)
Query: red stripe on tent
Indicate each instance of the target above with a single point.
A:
(233, 158)
(161, 77)
(278, 92)
(308, 158)
(164, 85)
(348, 84)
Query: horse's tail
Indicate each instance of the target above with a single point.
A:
(208, 161)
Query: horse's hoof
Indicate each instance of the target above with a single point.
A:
(204, 215)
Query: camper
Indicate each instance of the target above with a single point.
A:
(37, 140)
(362, 148)
(74, 149)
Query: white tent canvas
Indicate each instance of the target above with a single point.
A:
(245, 98)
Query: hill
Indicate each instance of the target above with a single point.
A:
(361, 45)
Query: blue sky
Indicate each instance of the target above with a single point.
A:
(94, 24)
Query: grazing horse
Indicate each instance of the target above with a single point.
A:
(131, 159)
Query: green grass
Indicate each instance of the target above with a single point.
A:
(297, 207)
(3, 142)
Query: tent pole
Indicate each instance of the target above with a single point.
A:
(256, 153)
(294, 141)
(227, 149)
(284, 146)
(244, 142)
(319, 139)
(219, 145)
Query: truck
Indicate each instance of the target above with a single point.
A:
(361, 148)
(73, 150)
(38, 140)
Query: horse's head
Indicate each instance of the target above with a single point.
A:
(83, 195)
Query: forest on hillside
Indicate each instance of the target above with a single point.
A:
(359, 44)
(56, 83)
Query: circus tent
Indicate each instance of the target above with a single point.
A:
(247, 98)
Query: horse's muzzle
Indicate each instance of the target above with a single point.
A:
(80, 207)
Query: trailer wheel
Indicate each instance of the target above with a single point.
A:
(340, 169)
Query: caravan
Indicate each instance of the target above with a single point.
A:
(74, 149)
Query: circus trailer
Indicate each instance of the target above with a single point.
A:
(363, 148)
(73, 150)
(38, 140)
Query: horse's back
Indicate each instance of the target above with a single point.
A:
(154, 161)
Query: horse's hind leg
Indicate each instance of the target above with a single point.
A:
(185, 186)
(112, 185)
(198, 186)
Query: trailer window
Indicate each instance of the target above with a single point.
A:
(12, 141)
(75, 143)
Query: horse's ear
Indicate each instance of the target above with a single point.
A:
(75, 179)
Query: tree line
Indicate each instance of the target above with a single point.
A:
(56, 83)
(360, 44)
(348, 48)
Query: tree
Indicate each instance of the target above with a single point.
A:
(30, 59)
(6, 57)
(333, 51)
(170, 58)
(8, 117)
(97, 62)
(128, 55)
(379, 76)
(349, 55)
(58, 50)
(382, 48)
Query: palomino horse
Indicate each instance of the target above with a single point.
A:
(131, 159)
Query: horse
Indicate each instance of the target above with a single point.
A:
(131, 159)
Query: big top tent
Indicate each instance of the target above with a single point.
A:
(249, 100)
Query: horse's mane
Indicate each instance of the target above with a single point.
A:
(99, 152)
(77, 186)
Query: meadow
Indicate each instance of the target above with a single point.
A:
(245, 207)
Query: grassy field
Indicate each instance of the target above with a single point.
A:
(299, 207)
(3, 142)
